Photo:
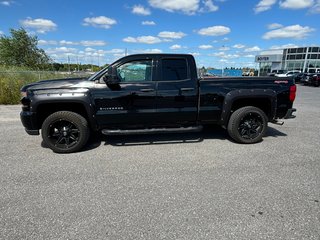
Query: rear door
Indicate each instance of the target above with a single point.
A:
(177, 91)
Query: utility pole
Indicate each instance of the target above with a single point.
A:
(69, 64)
(78, 63)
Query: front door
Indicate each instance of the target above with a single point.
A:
(131, 102)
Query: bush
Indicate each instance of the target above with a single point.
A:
(13, 78)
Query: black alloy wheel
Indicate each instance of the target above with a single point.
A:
(65, 132)
(248, 125)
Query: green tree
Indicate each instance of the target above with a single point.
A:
(20, 49)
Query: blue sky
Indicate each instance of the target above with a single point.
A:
(218, 32)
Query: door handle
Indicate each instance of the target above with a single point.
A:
(146, 90)
(186, 89)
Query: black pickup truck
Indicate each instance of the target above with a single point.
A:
(152, 93)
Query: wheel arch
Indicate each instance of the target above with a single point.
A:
(45, 109)
(264, 99)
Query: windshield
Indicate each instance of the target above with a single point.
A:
(97, 74)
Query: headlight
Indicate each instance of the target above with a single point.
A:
(23, 94)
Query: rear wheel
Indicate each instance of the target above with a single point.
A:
(65, 132)
(248, 125)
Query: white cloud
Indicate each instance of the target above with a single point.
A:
(1, 33)
(249, 56)
(195, 54)
(294, 31)
(88, 49)
(84, 43)
(313, 5)
(205, 46)
(223, 48)
(296, 4)
(253, 49)
(61, 50)
(289, 45)
(45, 42)
(274, 26)
(150, 23)
(187, 7)
(214, 31)
(154, 50)
(175, 47)
(171, 35)
(224, 55)
(64, 42)
(316, 7)
(208, 6)
(40, 25)
(115, 51)
(100, 22)
(6, 3)
(141, 10)
(130, 40)
(142, 39)
(93, 43)
(264, 5)
(238, 46)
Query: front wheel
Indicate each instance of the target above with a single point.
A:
(248, 125)
(65, 132)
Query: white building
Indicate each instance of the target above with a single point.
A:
(305, 59)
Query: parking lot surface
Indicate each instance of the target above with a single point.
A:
(175, 186)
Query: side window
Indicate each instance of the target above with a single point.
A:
(174, 69)
(135, 71)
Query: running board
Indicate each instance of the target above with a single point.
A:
(151, 130)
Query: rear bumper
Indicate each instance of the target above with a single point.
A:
(29, 121)
(290, 113)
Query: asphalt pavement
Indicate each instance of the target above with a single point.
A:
(175, 186)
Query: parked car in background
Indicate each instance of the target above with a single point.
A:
(208, 75)
(298, 78)
(274, 72)
(288, 74)
(306, 80)
(245, 74)
(315, 80)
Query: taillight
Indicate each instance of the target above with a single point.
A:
(293, 90)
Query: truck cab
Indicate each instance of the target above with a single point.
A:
(147, 90)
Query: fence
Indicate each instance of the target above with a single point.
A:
(12, 81)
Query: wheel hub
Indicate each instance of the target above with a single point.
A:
(64, 134)
(65, 131)
(250, 126)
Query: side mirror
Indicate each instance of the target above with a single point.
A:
(110, 78)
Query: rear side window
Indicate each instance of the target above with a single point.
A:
(174, 69)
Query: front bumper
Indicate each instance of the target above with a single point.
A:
(29, 121)
(290, 113)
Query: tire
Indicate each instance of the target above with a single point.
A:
(248, 125)
(65, 132)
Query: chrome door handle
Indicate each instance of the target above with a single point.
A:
(186, 89)
(146, 90)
